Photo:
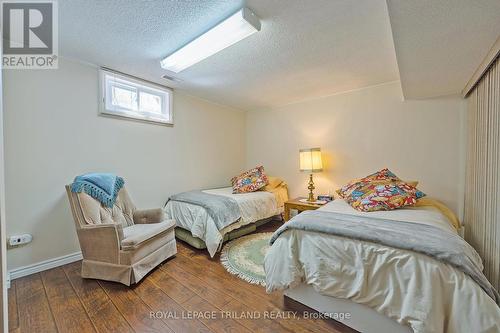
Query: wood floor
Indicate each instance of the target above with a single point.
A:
(188, 293)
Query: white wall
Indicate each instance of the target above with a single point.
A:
(3, 245)
(53, 133)
(361, 132)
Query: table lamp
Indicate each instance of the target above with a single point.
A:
(310, 161)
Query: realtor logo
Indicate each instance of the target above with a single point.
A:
(29, 31)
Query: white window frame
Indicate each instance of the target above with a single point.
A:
(166, 116)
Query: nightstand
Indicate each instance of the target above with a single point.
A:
(299, 206)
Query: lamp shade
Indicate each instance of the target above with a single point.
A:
(310, 160)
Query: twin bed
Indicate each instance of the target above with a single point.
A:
(391, 271)
(321, 260)
(197, 226)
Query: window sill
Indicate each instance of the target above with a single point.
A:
(140, 119)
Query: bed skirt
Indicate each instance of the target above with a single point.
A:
(186, 236)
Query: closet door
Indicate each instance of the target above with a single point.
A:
(482, 193)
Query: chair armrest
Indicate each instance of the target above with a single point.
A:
(106, 228)
(101, 242)
(147, 216)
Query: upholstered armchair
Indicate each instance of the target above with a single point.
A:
(121, 243)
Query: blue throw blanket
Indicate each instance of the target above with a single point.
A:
(441, 245)
(103, 187)
(223, 210)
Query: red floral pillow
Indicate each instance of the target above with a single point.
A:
(250, 181)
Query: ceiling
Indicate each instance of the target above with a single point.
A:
(439, 44)
(305, 49)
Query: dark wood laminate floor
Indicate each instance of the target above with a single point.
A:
(169, 299)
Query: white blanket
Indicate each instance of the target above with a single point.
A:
(412, 288)
(254, 206)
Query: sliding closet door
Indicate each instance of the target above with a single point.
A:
(482, 197)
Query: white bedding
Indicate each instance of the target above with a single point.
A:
(409, 287)
(424, 215)
(254, 206)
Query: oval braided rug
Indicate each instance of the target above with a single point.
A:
(244, 257)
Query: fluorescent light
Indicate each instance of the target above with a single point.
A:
(233, 29)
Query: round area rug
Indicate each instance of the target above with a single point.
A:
(244, 257)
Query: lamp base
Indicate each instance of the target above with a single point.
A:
(311, 188)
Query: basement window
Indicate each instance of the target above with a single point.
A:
(129, 97)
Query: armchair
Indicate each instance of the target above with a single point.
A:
(121, 243)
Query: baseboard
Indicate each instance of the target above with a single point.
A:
(44, 265)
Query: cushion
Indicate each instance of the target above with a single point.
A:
(92, 211)
(381, 176)
(149, 216)
(382, 190)
(96, 213)
(442, 208)
(250, 181)
(384, 196)
(138, 233)
(273, 182)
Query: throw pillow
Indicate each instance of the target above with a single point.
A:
(250, 181)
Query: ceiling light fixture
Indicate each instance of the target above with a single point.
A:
(233, 29)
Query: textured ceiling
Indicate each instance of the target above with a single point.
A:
(306, 49)
(439, 44)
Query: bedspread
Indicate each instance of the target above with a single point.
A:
(412, 288)
(437, 243)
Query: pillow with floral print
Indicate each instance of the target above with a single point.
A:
(250, 181)
(386, 195)
(381, 176)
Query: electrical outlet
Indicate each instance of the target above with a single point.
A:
(20, 239)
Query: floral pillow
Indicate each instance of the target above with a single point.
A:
(384, 196)
(381, 176)
(250, 181)
(382, 190)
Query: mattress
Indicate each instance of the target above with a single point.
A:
(254, 206)
(413, 289)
